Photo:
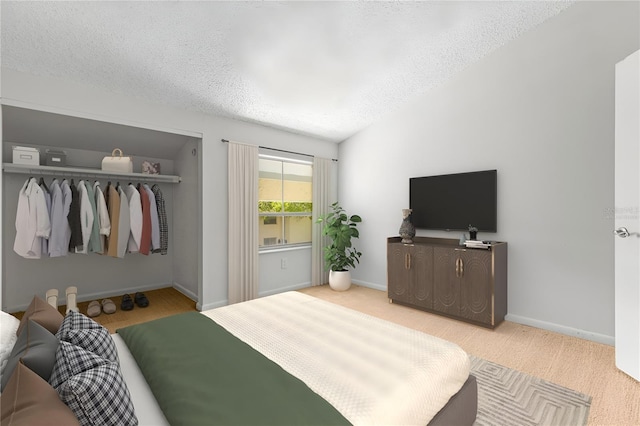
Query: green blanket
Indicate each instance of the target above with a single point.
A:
(201, 374)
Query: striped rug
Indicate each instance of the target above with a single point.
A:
(508, 397)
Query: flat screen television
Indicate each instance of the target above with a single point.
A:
(455, 201)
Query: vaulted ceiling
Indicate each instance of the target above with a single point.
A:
(324, 69)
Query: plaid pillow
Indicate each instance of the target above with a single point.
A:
(93, 387)
(82, 331)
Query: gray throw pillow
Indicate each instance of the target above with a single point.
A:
(36, 347)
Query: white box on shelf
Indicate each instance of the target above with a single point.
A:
(26, 155)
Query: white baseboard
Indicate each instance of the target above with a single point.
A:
(191, 295)
(370, 285)
(220, 303)
(569, 331)
(283, 289)
(213, 305)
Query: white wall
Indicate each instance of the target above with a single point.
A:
(80, 100)
(539, 110)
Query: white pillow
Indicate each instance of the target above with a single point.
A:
(8, 327)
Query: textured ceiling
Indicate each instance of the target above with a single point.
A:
(325, 69)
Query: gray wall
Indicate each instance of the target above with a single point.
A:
(49, 94)
(541, 111)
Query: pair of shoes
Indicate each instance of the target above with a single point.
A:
(107, 306)
(71, 292)
(140, 299)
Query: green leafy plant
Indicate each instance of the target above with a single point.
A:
(341, 228)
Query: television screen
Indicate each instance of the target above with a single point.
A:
(455, 201)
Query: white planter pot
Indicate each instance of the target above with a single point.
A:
(339, 280)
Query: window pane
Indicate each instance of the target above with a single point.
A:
(269, 186)
(297, 229)
(297, 181)
(269, 230)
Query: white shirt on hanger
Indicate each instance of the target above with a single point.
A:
(155, 224)
(32, 221)
(86, 217)
(135, 218)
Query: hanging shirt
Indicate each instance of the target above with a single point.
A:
(58, 243)
(66, 208)
(113, 204)
(32, 221)
(94, 238)
(162, 220)
(75, 242)
(47, 198)
(104, 227)
(145, 237)
(155, 225)
(124, 227)
(86, 218)
(135, 218)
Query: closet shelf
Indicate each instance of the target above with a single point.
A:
(85, 172)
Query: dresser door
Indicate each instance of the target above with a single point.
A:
(476, 286)
(398, 272)
(446, 283)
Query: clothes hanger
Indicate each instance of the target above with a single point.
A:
(42, 183)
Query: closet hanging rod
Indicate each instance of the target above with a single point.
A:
(281, 150)
(79, 172)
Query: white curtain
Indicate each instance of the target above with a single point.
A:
(322, 198)
(243, 222)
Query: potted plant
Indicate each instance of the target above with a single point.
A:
(340, 254)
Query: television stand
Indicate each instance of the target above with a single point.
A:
(440, 276)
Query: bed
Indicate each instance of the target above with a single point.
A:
(368, 370)
(286, 359)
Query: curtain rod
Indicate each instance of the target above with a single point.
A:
(281, 150)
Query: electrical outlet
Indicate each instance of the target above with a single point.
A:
(283, 263)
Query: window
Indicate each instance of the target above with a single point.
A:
(284, 202)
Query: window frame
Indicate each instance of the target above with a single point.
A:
(283, 214)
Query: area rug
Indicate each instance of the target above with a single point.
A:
(508, 397)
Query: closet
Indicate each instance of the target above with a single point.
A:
(86, 141)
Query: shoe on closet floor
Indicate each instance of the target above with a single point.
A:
(72, 293)
(108, 307)
(141, 300)
(127, 303)
(52, 297)
(94, 309)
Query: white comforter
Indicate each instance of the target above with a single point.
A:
(372, 371)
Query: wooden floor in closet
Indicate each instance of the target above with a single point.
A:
(162, 303)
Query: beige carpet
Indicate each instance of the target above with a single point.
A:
(584, 366)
